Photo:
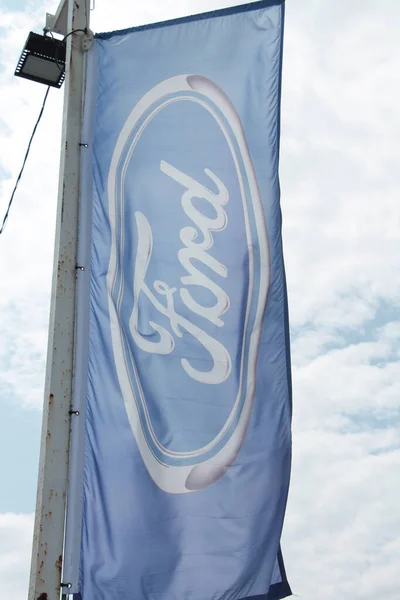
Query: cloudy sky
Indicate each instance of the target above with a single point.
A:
(341, 207)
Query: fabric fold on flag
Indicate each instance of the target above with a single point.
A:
(188, 420)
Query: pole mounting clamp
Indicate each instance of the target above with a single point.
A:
(87, 41)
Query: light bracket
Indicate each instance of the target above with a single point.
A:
(58, 23)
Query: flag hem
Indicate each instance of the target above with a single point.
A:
(223, 12)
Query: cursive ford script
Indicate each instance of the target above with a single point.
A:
(197, 242)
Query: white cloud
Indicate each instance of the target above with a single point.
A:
(339, 143)
(342, 528)
(15, 554)
(340, 191)
(27, 243)
(22, 346)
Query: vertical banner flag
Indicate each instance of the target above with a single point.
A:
(187, 446)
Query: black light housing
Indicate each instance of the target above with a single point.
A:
(42, 60)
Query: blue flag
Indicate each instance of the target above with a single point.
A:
(188, 417)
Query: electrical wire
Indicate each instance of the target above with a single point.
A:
(36, 126)
(47, 31)
(24, 162)
(75, 31)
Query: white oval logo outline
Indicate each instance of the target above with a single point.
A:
(193, 477)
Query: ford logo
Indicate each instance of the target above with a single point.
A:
(187, 281)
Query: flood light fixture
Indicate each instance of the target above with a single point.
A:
(42, 60)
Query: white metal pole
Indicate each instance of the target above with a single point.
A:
(48, 537)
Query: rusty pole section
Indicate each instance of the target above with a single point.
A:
(48, 537)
